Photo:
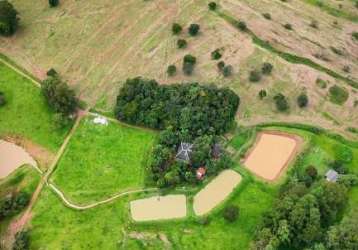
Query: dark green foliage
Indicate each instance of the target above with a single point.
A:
(194, 29)
(176, 28)
(182, 44)
(201, 150)
(52, 72)
(312, 172)
(212, 6)
(193, 107)
(22, 241)
(221, 65)
(255, 76)
(227, 70)
(8, 18)
(216, 54)
(189, 62)
(242, 26)
(302, 100)
(53, 3)
(171, 70)
(262, 94)
(267, 16)
(338, 95)
(59, 96)
(13, 204)
(281, 102)
(2, 99)
(267, 68)
(231, 213)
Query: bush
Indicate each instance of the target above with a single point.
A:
(231, 213)
(262, 94)
(227, 70)
(182, 44)
(255, 76)
(216, 55)
(176, 28)
(194, 29)
(302, 100)
(267, 16)
(321, 83)
(59, 96)
(22, 241)
(242, 26)
(2, 99)
(212, 6)
(53, 3)
(52, 72)
(338, 95)
(221, 65)
(8, 18)
(171, 70)
(281, 102)
(266, 68)
(188, 64)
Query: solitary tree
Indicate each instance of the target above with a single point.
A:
(8, 18)
(194, 29)
(176, 28)
(53, 3)
(182, 44)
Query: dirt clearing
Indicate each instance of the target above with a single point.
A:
(12, 157)
(216, 191)
(159, 208)
(271, 153)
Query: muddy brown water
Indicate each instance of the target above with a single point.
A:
(216, 191)
(12, 157)
(159, 208)
(271, 154)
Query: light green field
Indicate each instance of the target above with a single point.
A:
(26, 113)
(101, 161)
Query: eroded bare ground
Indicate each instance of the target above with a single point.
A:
(97, 48)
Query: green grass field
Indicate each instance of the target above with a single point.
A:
(26, 113)
(103, 160)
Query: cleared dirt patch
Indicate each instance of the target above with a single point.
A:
(159, 208)
(12, 157)
(271, 153)
(216, 191)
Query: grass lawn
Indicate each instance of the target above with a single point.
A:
(103, 160)
(26, 113)
(24, 179)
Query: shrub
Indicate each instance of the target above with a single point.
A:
(255, 76)
(266, 68)
(288, 26)
(51, 72)
(59, 96)
(194, 29)
(262, 94)
(231, 213)
(302, 100)
(227, 70)
(2, 99)
(221, 65)
(8, 18)
(267, 16)
(242, 26)
(53, 3)
(171, 70)
(216, 55)
(22, 241)
(338, 95)
(176, 28)
(281, 102)
(182, 44)
(212, 6)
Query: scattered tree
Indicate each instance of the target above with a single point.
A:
(189, 62)
(221, 65)
(212, 6)
(242, 26)
(227, 70)
(281, 102)
(182, 44)
(194, 29)
(216, 54)
(262, 94)
(8, 18)
(266, 68)
(53, 3)
(255, 76)
(176, 28)
(171, 70)
(302, 100)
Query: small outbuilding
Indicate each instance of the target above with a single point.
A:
(332, 175)
(184, 152)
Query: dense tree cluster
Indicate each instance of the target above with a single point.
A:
(13, 204)
(197, 109)
(306, 208)
(8, 18)
(59, 96)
